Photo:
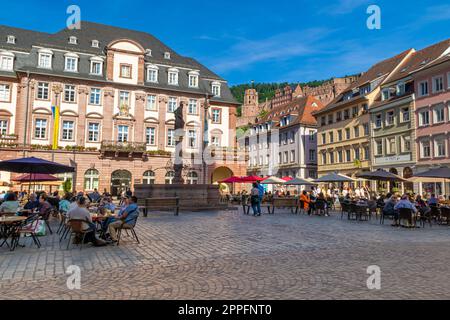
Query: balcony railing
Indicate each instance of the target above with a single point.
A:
(128, 147)
(8, 139)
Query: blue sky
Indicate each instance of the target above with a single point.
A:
(265, 41)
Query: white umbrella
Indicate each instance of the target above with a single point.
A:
(273, 180)
(334, 177)
(300, 182)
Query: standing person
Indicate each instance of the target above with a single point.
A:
(255, 200)
(306, 201)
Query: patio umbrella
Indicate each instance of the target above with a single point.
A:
(34, 165)
(251, 179)
(439, 173)
(286, 179)
(334, 177)
(35, 177)
(273, 180)
(300, 182)
(232, 180)
(380, 175)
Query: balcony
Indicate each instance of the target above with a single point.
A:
(226, 153)
(120, 149)
(8, 140)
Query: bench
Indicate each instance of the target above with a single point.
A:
(163, 204)
(291, 203)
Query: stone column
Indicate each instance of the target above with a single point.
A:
(108, 110)
(83, 93)
(139, 111)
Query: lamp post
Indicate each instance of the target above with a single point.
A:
(205, 137)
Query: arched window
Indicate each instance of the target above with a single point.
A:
(192, 178)
(149, 177)
(91, 178)
(169, 177)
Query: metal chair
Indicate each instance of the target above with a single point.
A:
(28, 227)
(129, 226)
(406, 214)
(76, 228)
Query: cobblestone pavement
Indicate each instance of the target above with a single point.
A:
(226, 255)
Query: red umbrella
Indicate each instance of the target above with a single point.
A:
(36, 177)
(287, 179)
(232, 180)
(251, 179)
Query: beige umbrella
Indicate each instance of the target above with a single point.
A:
(300, 182)
(273, 180)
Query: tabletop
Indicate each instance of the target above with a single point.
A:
(11, 219)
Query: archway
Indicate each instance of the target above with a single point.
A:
(120, 181)
(220, 174)
(409, 186)
(395, 186)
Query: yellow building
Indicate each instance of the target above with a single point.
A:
(344, 124)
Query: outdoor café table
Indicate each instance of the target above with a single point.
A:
(7, 224)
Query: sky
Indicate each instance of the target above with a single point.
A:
(264, 41)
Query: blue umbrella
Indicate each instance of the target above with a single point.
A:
(34, 165)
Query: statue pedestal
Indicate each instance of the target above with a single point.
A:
(193, 197)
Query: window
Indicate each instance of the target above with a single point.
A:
(439, 147)
(124, 99)
(6, 63)
(406, 144)
(405, 115)
(357, 155)
(5, 92)
(390, 118)
(150, 136)
(122, 133)
(286, 157)
(71, 64)
(171, 137)
(73, 40)
(339, 135)
(167, 55)
(312, 135)
(366, 129)
(378, 121)
(365, 108)
(192, 138)
(400, 88)
(324, 138)
(279, 158)
(423, 88)
(323, 121)
(292, 138)
(378, 147)
(355, 111)
(11, 40)
(390, 147)
(293, 156)
(69, 93)
(439, 115)
(330, 119)
(339, 116)
(170, 176)
(331, 136)
(67, 130)
(267, 160)
(324, 158)
(95, 96)
(96, 67)
(152, 74)
(347, 134)
(424, 118)
(215, 141)
(193, 80)
(215, 88)
(95, 44)
(125, 71)
(151, 103)
(3, 127)
(192, 178)
(348, 155)
(425, 149)
(93, 132)
(331, 157)
(192, 107)
(356, 129)
(366, 153)
(91, 179)
(312, 155)
(346, 114)
(172, 106)
(149, 177)
(43, 91)
(216, 116)
(40, 128)
(45, 60)
(340, 156)
(438, 84)
(173, 77)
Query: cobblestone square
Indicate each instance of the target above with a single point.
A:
(227, 255)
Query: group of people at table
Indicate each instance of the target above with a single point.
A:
(97, 212)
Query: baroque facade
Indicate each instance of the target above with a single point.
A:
(104, 99)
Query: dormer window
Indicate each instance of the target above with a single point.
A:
(173, 76)
(45, 59)
(96, 66)
(386, 94)
(95, 44)
(400, 88)
(193, 79)
(167, 55)
(11, 39)
(148, 52)
(215, 88)
(71, 62)
(152, 73)
(73, 40)
(6, 61)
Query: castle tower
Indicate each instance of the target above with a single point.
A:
(250, 108)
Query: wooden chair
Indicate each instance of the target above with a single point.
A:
(406, 214)
(76, 228)
(445, 215)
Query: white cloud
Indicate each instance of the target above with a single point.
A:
(343, 7)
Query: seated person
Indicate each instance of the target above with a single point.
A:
(10, 203)
(125, 218)
(80, 212)
(64, 204)
(44, 206)
(33, 203)
(389, 209)
(433, 201)
(404, 203)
